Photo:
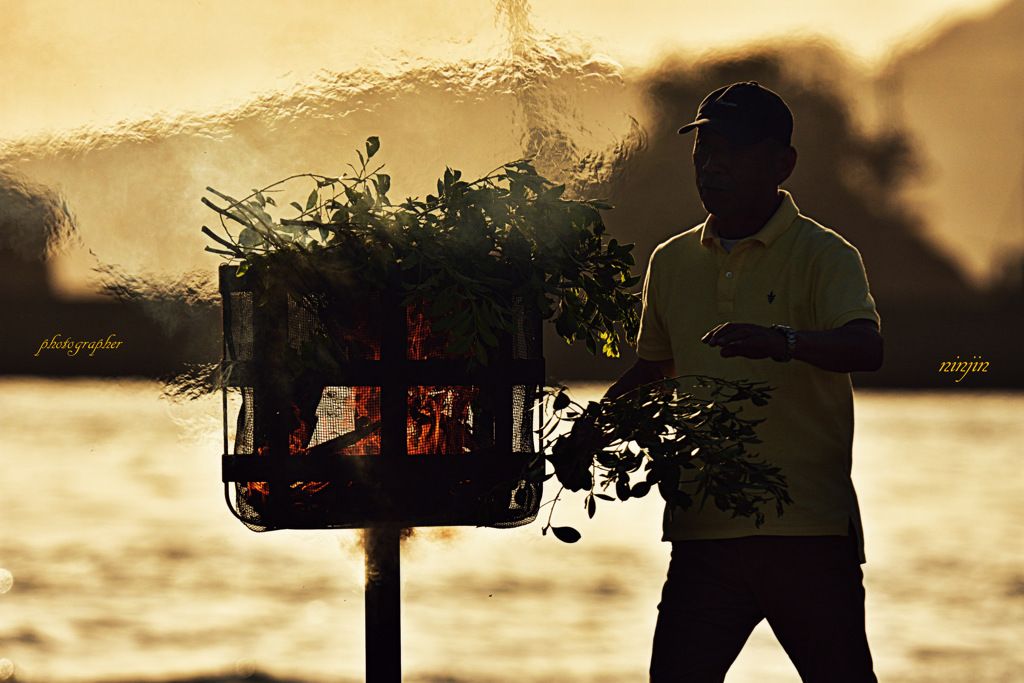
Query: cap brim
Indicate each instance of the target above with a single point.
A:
(735, 131)
(690, 126)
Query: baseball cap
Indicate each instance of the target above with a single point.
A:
(746, 113)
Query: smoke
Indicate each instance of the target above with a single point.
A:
(415, 545)
(174, 303)
(135, 187)
(184, 308)
(573, 110)
(35, 221)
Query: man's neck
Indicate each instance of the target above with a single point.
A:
(740, 226)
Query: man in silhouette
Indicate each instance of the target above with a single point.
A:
(760, 292)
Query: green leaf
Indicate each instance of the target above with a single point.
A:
(565, 327)
(553, 193)
(566, 534)
(487, 334)
(481, 353)
(640, 489)
(312, 199)
(562, 401)
(383, 183)
(248, 238)
(372, 145)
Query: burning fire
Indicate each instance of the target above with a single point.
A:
(438, 420)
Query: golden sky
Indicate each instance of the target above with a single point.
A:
(69, 63)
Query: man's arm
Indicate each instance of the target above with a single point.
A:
(642, 372)
(572, 457)
(857, 346)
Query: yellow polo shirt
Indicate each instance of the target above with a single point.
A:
(793, 272)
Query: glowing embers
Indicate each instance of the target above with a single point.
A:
(440, 417)
(440, 420)
(346, 420)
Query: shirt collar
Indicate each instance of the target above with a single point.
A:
(776, 225)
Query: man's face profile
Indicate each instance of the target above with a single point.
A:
(733, 178)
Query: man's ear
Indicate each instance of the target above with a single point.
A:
(785, 162)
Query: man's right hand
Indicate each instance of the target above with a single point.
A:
(573, 455)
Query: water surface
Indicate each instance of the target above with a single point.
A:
(127, 565)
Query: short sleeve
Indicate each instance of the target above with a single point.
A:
(842, 291)
(653, 341)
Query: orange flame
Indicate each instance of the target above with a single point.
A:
(438, 420)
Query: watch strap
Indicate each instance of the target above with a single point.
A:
(790, 342)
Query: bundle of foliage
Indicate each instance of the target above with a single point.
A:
(689, 447)
(461, 254)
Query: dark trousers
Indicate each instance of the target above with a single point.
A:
(809, 588)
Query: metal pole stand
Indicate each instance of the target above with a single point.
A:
(383, 605)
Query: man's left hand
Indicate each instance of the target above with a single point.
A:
(747, 340)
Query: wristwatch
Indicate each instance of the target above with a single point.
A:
(790, 342)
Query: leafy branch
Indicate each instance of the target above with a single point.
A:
(690, 448)
(458, 253)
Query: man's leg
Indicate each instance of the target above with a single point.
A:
(813, 598)
(706, 614)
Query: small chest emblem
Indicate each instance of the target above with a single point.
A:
(771, 296)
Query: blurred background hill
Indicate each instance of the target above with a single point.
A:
(959, 96)
(919, 163)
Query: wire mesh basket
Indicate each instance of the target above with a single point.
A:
(387, 428)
